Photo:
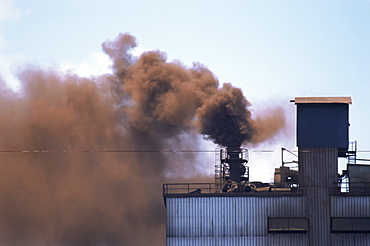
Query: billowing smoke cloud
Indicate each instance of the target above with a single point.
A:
(225, 119)
(66, 195)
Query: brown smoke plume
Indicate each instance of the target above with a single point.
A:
(76, 197)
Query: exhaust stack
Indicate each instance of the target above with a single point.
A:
(234, 162)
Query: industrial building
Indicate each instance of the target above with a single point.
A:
(311, 205)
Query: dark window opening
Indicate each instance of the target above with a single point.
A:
(350, 225)
(283, 225)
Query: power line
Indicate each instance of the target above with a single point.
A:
(140, 151)
(105, 151)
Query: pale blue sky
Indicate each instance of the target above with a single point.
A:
(273, 50)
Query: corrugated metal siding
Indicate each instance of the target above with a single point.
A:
(243, 220)
(284, 239)
(285, 206)
(322, 125)
(230, 220)
(318, 177)
(318, 213)
(352, 239)
(318, 167)
(216, 241)
(350, 206)
(275, 239)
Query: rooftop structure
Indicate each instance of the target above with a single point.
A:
(345, 100)
(308, 205)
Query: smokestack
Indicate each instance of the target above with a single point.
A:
(236, 164)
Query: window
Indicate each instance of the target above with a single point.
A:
(288, 224)
(350, 224)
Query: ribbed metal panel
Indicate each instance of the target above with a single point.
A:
(322, 125)
(230, 220)
(243, 220)
(217, 241)
(285, 206)
(318, 178)
(350, 206)
(318, 167)
(352, 239)
(318, 213)
(283, 239)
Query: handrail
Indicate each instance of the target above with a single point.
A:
(214, 188)
(343, 188)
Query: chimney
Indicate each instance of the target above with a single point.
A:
(236, 163)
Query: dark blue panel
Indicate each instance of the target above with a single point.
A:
(322, 125)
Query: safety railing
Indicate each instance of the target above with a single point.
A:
(193, 189)
(190, 188)
(214, 188)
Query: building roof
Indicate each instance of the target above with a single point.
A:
(347, 100)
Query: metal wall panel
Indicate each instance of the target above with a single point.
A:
(322, 125)
(272, 239)
(318, 213)
(318, 177)
(230, 220)
(352, 239)
(318, 167)
(243, 220)
(217, 241)
(287, 239)
(350, 206)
